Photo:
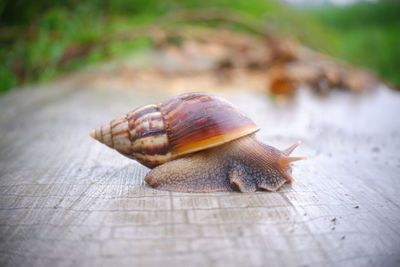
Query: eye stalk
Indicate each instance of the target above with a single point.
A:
(284, 162)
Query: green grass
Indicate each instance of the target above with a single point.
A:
(367, 35)
(40, 40)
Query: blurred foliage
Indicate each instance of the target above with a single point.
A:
(367, 35)
(41, 39)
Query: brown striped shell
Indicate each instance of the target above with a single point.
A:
(155, 134)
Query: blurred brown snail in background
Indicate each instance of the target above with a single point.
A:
(198, 143)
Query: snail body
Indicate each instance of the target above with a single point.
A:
(197, 143)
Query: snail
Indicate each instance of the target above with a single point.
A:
(198, 142)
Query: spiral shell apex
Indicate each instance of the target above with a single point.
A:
(155, 134)
(140, 135)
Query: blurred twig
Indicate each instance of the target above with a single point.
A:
(214, 14)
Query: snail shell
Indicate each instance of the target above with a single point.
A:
(198, 143)
(155, 134)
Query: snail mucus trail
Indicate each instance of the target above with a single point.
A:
(198, 143)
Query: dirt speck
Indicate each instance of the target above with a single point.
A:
(376, 149)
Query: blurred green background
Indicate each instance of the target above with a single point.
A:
(43, 39)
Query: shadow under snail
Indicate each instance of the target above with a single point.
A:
(198, 142)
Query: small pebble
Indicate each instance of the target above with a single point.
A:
(343, 237)
(357, 207)
(333, 219)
